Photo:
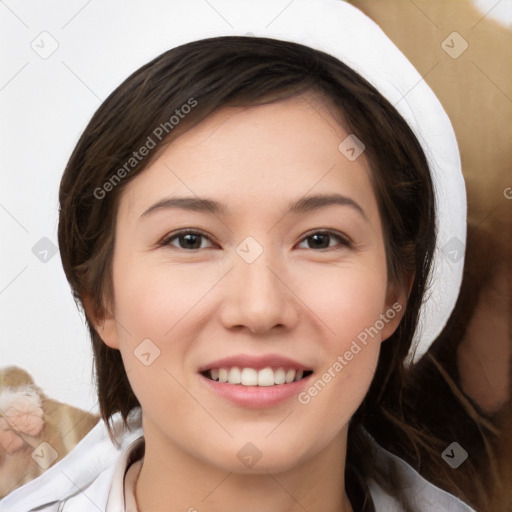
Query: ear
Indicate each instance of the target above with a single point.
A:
(396, 302)
(104, 323)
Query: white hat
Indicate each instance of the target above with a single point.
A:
(341, 30)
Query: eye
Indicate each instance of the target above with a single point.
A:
(320, 237)
(191, 240)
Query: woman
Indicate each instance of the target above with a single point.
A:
(263, 365)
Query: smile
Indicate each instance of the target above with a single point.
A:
(252, 377)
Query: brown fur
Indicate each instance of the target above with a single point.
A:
(64, 427)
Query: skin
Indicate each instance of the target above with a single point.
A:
(295, 299)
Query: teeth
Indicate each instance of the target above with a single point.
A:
(280, 376)
(235, 376)
(266, 377)
(223, 375)
(251, 377)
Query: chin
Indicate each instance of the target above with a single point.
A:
(259, 457)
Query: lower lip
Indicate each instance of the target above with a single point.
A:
(256, 397)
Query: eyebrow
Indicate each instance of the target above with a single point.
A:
(212, 207)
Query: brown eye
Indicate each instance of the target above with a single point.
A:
(187, 240)
(191, 240)
(321, 239)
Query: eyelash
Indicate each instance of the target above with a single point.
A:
(345, 242)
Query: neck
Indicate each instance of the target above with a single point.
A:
(172, 479)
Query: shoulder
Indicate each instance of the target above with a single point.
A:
(423, 495)
(83, 477)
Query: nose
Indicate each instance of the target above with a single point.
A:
(258, 297)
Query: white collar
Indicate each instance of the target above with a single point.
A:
(121, 495)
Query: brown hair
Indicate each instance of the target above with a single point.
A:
(242, 71)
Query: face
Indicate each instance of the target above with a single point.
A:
(269, 287)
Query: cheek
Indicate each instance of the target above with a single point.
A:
(151, 297)
(158, 307)
(350, 304)
(335, 394)
(340, 384)
(347, 300)
(151, 305)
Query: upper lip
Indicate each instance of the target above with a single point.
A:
(256, 362)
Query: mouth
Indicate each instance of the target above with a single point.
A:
(265, 377)
(256, 381)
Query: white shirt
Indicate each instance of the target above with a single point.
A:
(97, 475)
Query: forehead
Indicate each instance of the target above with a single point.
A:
(246, 154)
